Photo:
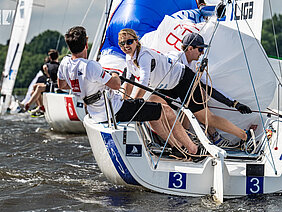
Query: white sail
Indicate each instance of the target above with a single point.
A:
(16, 46)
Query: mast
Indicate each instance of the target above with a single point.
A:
(16, 46)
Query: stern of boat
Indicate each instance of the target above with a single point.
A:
(64, 112)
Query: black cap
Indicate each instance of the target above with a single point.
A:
(194, 39)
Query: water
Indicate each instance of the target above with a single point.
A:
(45, 171)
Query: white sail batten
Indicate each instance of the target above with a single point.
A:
(15, 50)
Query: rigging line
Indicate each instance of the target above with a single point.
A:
(277, 53)
(252, 82)
(255, 111)
(89, 7)
(278, 106)
(41, 17)
(275, 39)
(261, 48)
(107, 13)
(59, 38)
(215, 28)
(179, 112)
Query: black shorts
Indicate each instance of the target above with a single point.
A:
(182, 88)
(149, 112)
(50, 87)
(41, 79)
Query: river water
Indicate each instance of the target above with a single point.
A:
(45, 171)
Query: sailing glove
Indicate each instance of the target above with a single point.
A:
(242, 108)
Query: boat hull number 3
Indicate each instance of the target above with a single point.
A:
(254, 179)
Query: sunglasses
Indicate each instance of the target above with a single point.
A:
(200, 49)
(127, 42)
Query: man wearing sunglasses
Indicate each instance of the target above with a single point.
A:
(173, 78)
(192, 48)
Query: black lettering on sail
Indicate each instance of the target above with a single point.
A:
(251, 10)
(235, 12)
(245, 11)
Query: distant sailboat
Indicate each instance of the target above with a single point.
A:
(65, 111)
(15, 50)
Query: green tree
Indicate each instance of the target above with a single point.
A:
(34, 54)
(3, 53)
(45, 41)
(30, 65)
(268, 41)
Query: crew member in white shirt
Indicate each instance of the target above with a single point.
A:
(190, 58)
(153, 69)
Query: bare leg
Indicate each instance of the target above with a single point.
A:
(36, 94)
(178, 131)
(213, 121)
(220, 123)
(186, 125)
(40, 101)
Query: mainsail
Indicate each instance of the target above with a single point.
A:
(16, 46)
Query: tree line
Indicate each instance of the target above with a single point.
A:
(268, 41)
(36, 50)
(33, 55)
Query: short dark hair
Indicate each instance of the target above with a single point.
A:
(76, 39)
(53, 54)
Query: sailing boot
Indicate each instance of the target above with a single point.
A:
(222, 142)
(201, 154)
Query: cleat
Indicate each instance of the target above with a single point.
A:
(250, 144)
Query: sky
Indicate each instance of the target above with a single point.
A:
(62, 14)
(57, 15)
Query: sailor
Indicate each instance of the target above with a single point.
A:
(190, 58)
(50, 70)
(88, 80)
(152, 68)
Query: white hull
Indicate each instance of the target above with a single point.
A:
(64, 112)
(114, 154)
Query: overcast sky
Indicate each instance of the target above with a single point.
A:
(62, 14)
(56, 15)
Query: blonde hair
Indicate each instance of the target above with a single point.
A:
(131, 32)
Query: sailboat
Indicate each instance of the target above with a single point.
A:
(65, 111)
(15, 50)
(238, 65)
